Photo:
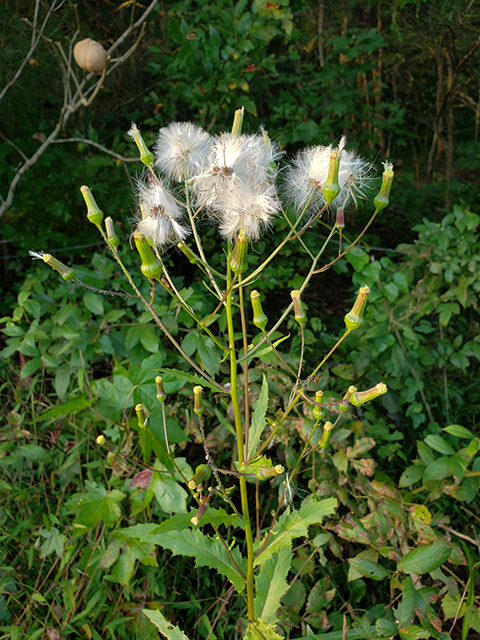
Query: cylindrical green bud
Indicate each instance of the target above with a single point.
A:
(185, 249)
(327, 432)
(331, 188)
(340, 221)
(382, 198)
(343, 406)
(146, 156)
(161, 395)
(100, 439)
(113, 240)
(111, 458)
(300, 316)
(361, 397)
(200, 512)
(259, 318)
(198, 405)
(238, 258)
(318, 412)
(269, 472)
(238, 122)
(94, 213)
(354, 318)
(202, 474)
(151, 265)
(141, 416)
(67, 273)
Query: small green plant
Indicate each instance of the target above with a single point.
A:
(230, 179)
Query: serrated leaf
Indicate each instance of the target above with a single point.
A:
(192, 379)
(258, 420)
(165, 627)
(271, 585)
(425, 559)
(413, 632)
(293, 525)
(207, 553)
(364, 564)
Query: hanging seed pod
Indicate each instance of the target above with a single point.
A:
(90, 55)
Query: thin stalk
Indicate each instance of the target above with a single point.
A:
(240, 448)
(300, 364)
(245, 367)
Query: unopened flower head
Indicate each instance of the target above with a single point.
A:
(308, 173)
(181, 150)
(159, 215)
(146, 156)
(67, 273)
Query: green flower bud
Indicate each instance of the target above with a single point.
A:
(340, 221)
(382, 198)
(113, 240)
(343, 406)
(300, 316)
(259, 318)
(202, 474)
(361, 397)
(146, 156)
(185, 249)
(67, 273)
(318, 412)
(200, 512)
(161, 395)
(198, 405)
(238, 122)
(111, 458)
(354, 318)
(327, 432)
(238, 258)
(151, 265)
(94, 213)
(269, 472)
(141, 416)
(331, 188)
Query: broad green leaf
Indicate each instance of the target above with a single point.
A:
(95, 505)
(293, 525)
(170, 495)
(94, 303)
(165, 627)
(149, 338)
(436, 471)
(365, 564)
(258, 419)
(425, 559)
(413, 632)
(453, 607)
(54, 542)
(261, 630)
(411, 475)
(30, 367)
(192, 379)
(206, 551)
(271, 585)
(34, 453)
(62, 380)
(209, 355)
(458, 431)
(62, 410)
(437, 443)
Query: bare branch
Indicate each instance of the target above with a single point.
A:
(99, 146)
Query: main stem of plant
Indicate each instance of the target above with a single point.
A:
(240, 448)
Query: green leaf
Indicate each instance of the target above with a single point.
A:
(30, 367)
(208, 354)
(458, 431)
(425, 559)
(293, 525)
(271, 585)
(54, 542)
(411, 475)
(192, 379)
(94, 303)
(365, 564)
(73, 406)
(436, 471)
(149, 338)
(258, 420)
(206, 551)
(165, 627)
(34, 453)
(413, 632)
(95, 505)
(437, 443)
(62, 380)
(170, 495)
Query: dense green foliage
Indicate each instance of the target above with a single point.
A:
(398, 558)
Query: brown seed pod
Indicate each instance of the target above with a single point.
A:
(90, 55)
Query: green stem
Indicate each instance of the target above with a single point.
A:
(241, 450)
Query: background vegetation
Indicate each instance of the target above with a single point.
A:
(402, 82)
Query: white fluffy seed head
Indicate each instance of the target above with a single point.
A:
(159, 215)
(309, 171)
(181, 149)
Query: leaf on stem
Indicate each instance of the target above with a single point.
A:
(258, 420)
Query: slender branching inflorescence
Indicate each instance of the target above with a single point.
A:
(308, 173)
(181, 149)
(159, 215)
(236, 184)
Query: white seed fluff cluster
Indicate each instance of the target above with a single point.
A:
(236, 184)
(309, 171)
(159, 215)
(181, 149)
